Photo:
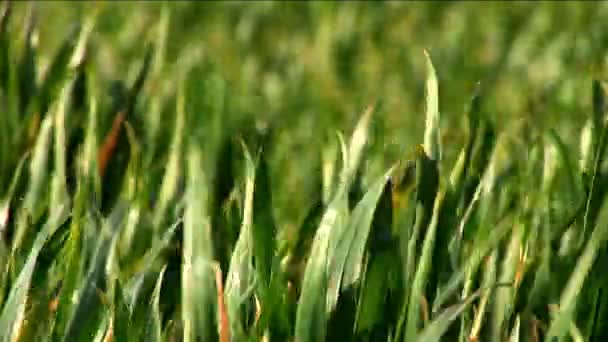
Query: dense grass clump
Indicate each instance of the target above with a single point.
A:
(306, 171)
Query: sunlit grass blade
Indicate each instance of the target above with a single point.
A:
(351, 248)
(198, 292)
(432, 142)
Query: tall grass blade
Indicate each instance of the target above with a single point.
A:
(198, 292)
(422, 272)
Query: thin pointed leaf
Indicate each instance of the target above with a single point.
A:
(432, 143)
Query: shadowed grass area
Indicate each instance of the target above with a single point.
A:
(303, 171)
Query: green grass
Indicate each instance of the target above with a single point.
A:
(303, 171)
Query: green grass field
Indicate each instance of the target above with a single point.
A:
(303, 171)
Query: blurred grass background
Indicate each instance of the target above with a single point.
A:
(310, 67)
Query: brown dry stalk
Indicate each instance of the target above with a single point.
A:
(425, 309)
(109, 144)
(224, 323)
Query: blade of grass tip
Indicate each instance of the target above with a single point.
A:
(595, 198)
(437, 328)
(515, 331)
(462, 166)
(422, 272)
(79, 53)
(560, 324)
(152, 331)
(357, 142)
(7, 201)
(240, 273)
(198, 294)
(38, 170)
(329, 161)
(432, 142)
(351, 248)
(14, 308)
(353, 158)
(152, 254)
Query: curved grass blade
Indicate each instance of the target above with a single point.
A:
(437, 328)
(14, 308)
(349, 254)
(152, 331)
(33, 201)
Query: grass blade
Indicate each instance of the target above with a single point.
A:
(152, 330)
(437, 328)
(198, 293)
(422, 272)
(432, 142)
(14, 308)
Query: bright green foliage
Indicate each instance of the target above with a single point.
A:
(303, 171)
